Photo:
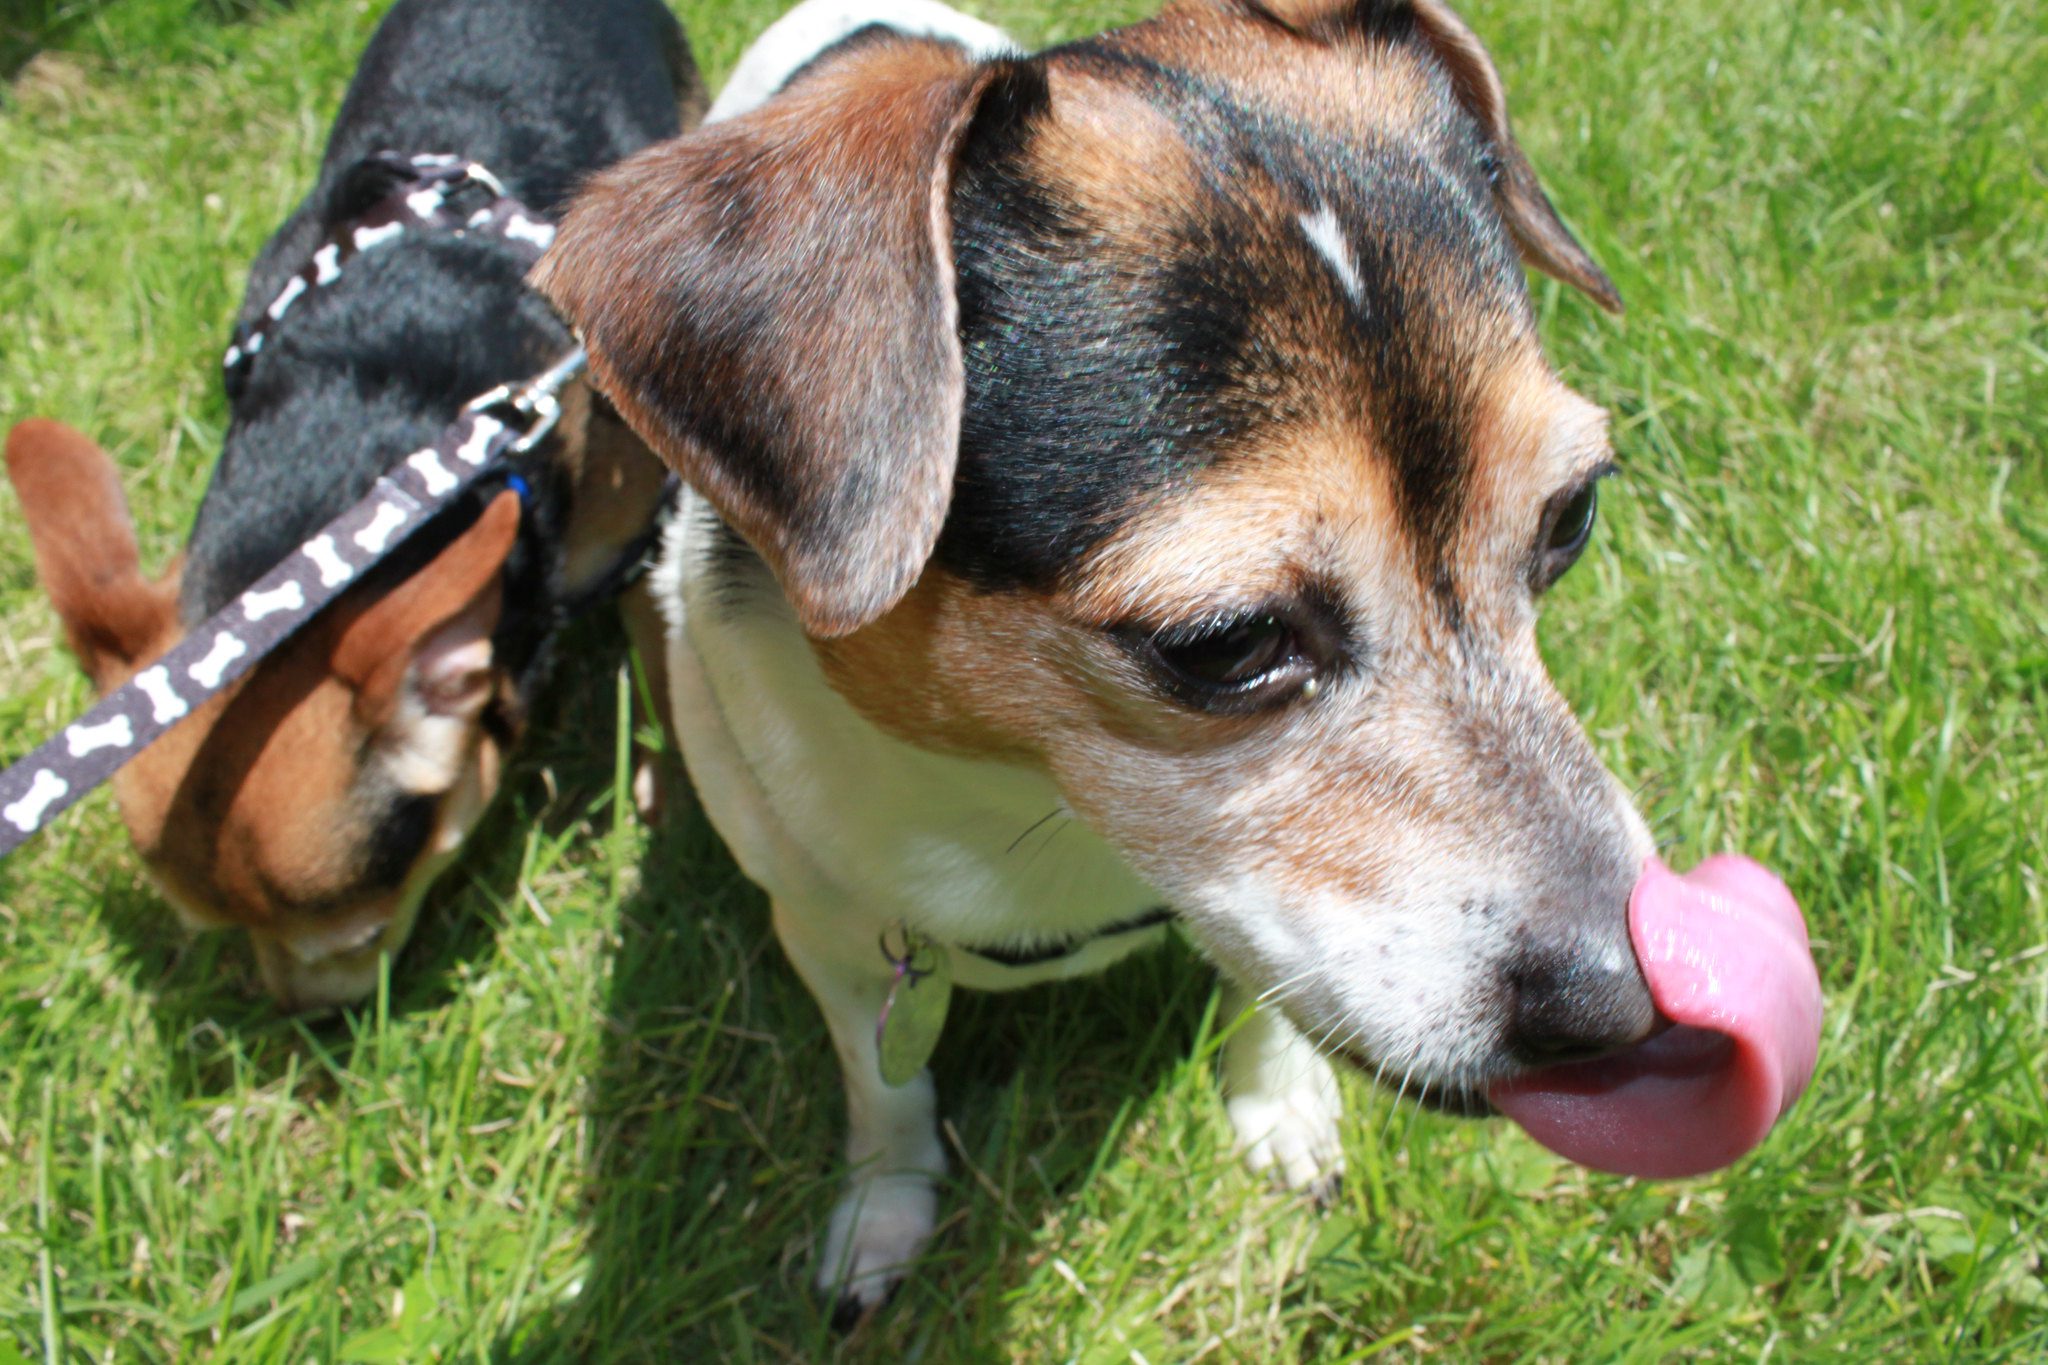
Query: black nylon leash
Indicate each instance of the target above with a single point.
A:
(507, 420)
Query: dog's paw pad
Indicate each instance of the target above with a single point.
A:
(1294, 1137)
(878, 1229)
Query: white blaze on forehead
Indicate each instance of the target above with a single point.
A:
(1326, 235)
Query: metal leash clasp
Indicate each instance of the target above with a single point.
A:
(532, 408)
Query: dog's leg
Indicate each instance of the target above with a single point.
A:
(655, 775)
(1282, 1097)
(892, 1143)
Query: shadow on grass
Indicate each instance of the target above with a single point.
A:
(207, 1001)
(717, 1123)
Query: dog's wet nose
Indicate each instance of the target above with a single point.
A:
(1577, 996)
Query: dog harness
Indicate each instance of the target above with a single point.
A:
(428, 196)
(505, 421)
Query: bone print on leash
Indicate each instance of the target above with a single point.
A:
(424, 198)
(46, 782)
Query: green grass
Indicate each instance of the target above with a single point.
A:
(595, 1116)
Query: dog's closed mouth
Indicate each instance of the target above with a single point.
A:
(1724, 950)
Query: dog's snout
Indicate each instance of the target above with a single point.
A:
(1577, 995)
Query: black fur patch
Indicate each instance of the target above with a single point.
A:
(375, 365)
(1099, 377)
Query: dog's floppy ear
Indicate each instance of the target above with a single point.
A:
(85, 549)
(1545, 241)
(769, 301)
(432, 633)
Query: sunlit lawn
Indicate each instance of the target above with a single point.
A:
(597, 1118)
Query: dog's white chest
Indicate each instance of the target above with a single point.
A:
(822, 808)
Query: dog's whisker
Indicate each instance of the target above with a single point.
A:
(1033, 828)
(1047, 842)
(1275, 992)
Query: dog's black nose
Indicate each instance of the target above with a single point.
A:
(1576, 996)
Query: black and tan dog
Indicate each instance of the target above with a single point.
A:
(314, 801)
(1151, 433)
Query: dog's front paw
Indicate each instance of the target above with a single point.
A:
(1293, 1132)
(878, 1229)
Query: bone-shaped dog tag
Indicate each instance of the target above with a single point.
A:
(914, 1011)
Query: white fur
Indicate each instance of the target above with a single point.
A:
(792, 41)
(1281, 1096)
(851, 832)
(1326, 234)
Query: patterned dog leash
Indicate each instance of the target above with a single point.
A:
(507, 420)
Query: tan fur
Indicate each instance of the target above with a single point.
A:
(880, 371)
(250, 812)
(1321, 796)
(1224, 36)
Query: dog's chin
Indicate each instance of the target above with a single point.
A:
(1456, 1101)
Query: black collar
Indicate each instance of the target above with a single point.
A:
(1052, 952)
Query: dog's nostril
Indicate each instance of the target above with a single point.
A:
(1575, 1000)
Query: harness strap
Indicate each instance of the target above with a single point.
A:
(425, 198)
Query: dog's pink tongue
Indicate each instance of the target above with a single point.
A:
(1724, 951)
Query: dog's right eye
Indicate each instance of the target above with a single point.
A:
(1567, 526)
(1234, 665)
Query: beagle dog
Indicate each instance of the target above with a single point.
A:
(1153, 435)
(313, 802)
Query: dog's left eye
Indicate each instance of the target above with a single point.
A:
(1234, 665)
(1567, 526)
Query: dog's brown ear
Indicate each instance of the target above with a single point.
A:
(1545, 241)
(432, 633)
(769, 301)
(85, 549)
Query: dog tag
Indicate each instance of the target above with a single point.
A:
(914, 1011)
